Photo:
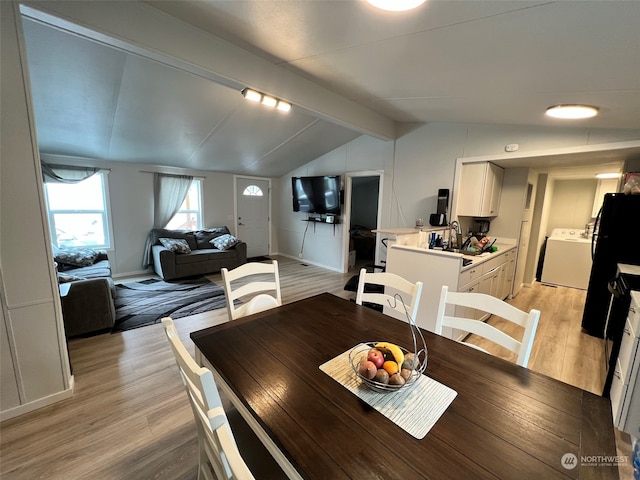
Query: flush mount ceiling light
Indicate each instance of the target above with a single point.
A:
(266, 100)
(608, 175)
(572, 112)
(396, 5)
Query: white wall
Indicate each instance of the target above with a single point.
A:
(415, 166)
(571, 204)
(131, 206)
(35, 367)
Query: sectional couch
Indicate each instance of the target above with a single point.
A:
(87, 291)
(201, 256)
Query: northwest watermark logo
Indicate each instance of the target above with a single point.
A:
(569, 461)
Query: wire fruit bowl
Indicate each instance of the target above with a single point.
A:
(359, 352)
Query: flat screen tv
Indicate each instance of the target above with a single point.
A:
(319, 195)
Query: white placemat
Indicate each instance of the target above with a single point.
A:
(414, 409)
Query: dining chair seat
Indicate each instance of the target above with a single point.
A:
(452, 304)
(249, 283)
(393, 284)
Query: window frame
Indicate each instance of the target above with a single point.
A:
(105, 214)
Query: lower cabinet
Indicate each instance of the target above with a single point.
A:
(625, 387)
(493, 277)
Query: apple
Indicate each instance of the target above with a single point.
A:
(376, 357)
(367, 369)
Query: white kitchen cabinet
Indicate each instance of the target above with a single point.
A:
(625, 387)
(436, 268)
(510, 271)
(480, 189)
(605, 185)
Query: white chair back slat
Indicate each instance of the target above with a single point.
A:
(392, 283)
(488, 303)
(261, 301)
(253, 288)
(484, 330)
(219, 455)
(494, 306)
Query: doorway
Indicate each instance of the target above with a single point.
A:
(363, 199)
(253, 214)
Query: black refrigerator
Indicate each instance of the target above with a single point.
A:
(616, 239)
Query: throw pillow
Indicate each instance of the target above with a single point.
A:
(224, 242)
(78, 257)
(177, 245)
(66, 278)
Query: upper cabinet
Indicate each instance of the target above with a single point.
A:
(480, 188)
(605, 185)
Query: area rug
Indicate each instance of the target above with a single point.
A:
(147, 302)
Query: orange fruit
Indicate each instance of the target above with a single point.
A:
(391, 367)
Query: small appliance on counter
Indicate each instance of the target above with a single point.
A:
(480, 228)
(439, 219)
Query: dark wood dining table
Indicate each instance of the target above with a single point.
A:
(507, 422)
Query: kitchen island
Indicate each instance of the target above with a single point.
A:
(490, 273)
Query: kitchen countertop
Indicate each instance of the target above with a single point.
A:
(483, 257)
(475, 259)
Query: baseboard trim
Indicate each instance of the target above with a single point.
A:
(40, 403)
(305, 260)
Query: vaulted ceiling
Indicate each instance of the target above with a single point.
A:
(491, 62)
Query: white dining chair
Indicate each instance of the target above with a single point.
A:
(254, 288)
(494, 306)
(410, 293)
(219, 456)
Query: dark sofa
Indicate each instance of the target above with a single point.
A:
(202, 258)
(87, 295)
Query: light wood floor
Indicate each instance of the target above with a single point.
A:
(130, 419)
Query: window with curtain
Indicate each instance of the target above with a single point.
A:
(189, 217)
(78, 214)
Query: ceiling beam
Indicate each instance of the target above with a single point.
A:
(140, 29)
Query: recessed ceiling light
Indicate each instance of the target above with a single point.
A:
(572, 112)
(396, 5)
(608, 175)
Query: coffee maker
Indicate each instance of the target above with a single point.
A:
(480, 227)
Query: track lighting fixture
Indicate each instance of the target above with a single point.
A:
(266, 100)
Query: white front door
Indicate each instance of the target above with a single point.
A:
(253, 199)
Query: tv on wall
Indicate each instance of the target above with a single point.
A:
(320, 195)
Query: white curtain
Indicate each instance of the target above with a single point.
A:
(169, 193)
(66, 173)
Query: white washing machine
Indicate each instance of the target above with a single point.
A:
(567, 259)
